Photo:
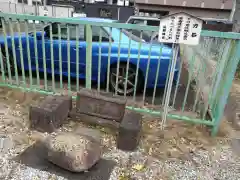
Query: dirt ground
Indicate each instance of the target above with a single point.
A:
(178, 140)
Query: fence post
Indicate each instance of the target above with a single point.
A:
(88, 56)
(227, 86)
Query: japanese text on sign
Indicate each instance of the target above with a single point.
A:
(180, 28)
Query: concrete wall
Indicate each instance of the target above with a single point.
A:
(204, 13)
(211, 4)
(19, 8)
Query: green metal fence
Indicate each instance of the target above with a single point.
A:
(201, 86)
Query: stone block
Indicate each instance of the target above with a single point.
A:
(103, 105)
(129, 131)
(50, 113)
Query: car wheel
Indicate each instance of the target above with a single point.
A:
(119, 86)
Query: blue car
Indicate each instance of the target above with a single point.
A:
(114, 38)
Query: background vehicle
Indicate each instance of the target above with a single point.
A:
(150, 21)
(123, 57)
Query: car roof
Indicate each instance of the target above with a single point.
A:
(145, 18)
(97, 19)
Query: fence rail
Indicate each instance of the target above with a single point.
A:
(54, 55)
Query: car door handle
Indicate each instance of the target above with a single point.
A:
(80, 47)
(18, 47)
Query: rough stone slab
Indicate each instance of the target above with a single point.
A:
(129, 131)
(103, 105)
(95, 134)
(71, 151)
(50, 113)
(34, 157)
(94, 120)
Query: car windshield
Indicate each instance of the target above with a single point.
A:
(132, 36)
(136, 35)
(139, 36)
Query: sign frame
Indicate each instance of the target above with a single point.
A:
(180, 28)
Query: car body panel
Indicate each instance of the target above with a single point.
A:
(151, 53)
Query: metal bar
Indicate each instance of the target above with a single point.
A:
(36, 53)
(147, 71)
(60, 55)
(189, 81)
(118, 61)
(44, 60)
(21, 53)
(69, 59)
(169, 68)
(128, 59)
(177, 85)
(6, 51)
(109, 58)
(204, 67)
(77, 57)
(2, 66)
(169, 86)
(52, 59)
(157, 74)
(28, 53)
(88, 56)
(77, 21)
(99, 59)
(228, 83)
(14, 51)
(138, 62)
(222, 62)
(209, 100)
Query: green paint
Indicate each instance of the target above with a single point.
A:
(44, 61)
(13, 52)
(89, 57)
(21, 53)
(60, 55)
(28, 53)
(36, 53)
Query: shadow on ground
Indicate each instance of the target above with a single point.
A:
(34, 157)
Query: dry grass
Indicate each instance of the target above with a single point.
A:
(179, 138)
(176, 141)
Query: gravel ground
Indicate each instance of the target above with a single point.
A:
(202, 166)
(182, 151)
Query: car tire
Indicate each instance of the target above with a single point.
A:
(132, 71)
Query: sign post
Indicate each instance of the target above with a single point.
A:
(179, 28)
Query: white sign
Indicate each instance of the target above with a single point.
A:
(79, 15)
(180, 28)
